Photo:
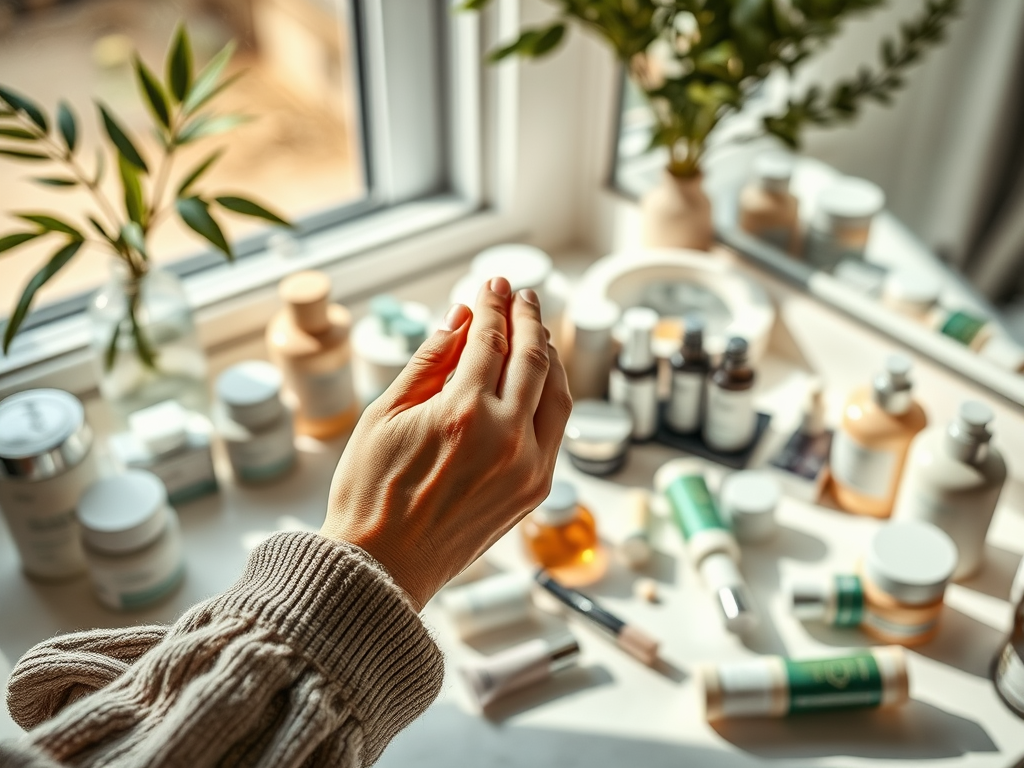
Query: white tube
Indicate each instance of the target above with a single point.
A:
(490, 603)
(519, 667)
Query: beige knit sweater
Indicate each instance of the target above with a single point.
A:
(314, 658)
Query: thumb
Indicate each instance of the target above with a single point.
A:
(425, 374)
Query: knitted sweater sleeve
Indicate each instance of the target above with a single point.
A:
(313, 658)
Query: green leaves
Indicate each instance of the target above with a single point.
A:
(532, 43)
(66, 123)
(133, 235)
(205, 85)
(55, 181)
(195, 212)
(204, 126)
(19, 134)
(198, 171)
(131, 185)
(179, 65)
(153, 92)
(48, 223)
(23, 104)
(56, 263)
(474, 5)
(19, 154)
(249, 208)
(7, 242)
(121, 141)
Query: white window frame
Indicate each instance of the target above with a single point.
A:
(524, 151)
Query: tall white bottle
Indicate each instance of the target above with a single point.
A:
(953, 480)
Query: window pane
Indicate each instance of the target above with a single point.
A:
(301, 155)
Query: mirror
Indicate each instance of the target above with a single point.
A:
(947, 157)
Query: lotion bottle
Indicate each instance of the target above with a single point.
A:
(870, 447)
(690, 368)
(309, 341)
(634, 380)
(730, 421)
(953, 481)
(768, 210)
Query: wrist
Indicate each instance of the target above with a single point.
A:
(385, 563)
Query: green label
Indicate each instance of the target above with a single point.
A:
(851, 681)
(962, 327)
(849, 601)
(692, 505)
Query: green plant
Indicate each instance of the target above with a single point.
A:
(179, 109)
(698, 61)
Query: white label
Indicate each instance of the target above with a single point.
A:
(263, 455)
(324, 395)
(730, 421)
(640, 396)
(750, 688)
(866, 471)
(683, 413)
(186, 475)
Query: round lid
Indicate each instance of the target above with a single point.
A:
(599, 314)
(640, 319)
(774, 168)
(306, 294)
(559, 507)
(414, 332)
(736, 349)
(748, 501)
(913, 286)
(967, 437)
(251, 392)
(892, 387)
(123, 513)
(42, 434)
(598, 430)
(161, 428)
(852, 198)
(639, 324)
(522, 265)
(387, 308)
(911, 560)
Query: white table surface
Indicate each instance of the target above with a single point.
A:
(613, 711)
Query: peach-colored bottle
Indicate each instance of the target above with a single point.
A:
(309, 341)
(767, 208)
(870, 447)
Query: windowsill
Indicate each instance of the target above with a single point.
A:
(363, 256)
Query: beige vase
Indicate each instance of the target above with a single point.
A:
(677, 214)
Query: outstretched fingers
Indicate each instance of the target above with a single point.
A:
(528, 362)
(486, 352)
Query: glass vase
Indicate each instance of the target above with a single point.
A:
(144, 343)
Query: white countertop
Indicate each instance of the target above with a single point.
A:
(613, 711)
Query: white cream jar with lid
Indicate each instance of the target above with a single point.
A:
(132, 540)
(255, 425)
(46, 463)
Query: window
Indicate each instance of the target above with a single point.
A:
(353, 101)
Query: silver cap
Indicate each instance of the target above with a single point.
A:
(639, 324)
(598, 430)
(891, 389)
(563, 651)
(968, 437)
(43, 434)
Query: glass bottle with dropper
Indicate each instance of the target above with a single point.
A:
(634, 380)
(730, 421)
(690, 368)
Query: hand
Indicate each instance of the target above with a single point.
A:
(437, 470)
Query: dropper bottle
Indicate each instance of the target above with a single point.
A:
(634, 379)
(954, 479)
(869, 449)
(690, 368)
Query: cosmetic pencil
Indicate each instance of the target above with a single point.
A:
(630, 639)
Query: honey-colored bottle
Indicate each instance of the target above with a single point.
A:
(870, 447)
(561, 532)
(768, 210)
(309, 341)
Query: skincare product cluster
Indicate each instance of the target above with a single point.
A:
(70, 512)
(834, 239)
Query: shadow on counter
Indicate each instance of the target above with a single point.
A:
(916, 731)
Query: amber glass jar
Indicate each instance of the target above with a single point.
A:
(561, 532)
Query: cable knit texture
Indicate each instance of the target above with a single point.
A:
(314, 658)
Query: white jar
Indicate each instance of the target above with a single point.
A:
(384, 341)
(255, 425)
(173, 444)
(46, 463)
(132, 540)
